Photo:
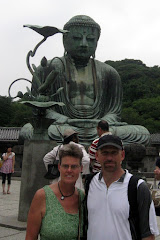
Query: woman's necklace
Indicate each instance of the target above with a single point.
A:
(63, 196)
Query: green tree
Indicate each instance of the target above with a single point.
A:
(13, 114)
(141, 90)
(6, 112)
(23, 114)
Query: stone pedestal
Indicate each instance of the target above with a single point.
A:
(33, 171)
(134, 153)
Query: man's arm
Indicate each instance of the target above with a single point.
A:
(152, 237)
(49, 158)
(92, 151)
(147, 216)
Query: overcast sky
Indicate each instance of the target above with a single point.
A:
(129, 29)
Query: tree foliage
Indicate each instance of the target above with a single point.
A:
(13, 114)
(141, 91)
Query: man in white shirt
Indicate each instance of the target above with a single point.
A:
(107, 202)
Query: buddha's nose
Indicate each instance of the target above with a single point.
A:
(84, 42)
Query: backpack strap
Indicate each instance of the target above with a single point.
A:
(88, 179)
(133, 212)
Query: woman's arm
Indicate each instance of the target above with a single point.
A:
(6, 155)
(35, 215)
(13, 163)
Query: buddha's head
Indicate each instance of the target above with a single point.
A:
(81, 40)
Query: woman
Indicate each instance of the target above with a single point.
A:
(54, 212)
(7, 168)
(157, 169)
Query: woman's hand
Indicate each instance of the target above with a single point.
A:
(6, 156)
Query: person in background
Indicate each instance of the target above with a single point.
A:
(108, 204)
(7, 168)
(70, 137)
(157, 177)
(102, 129)
(56, 209)
(157, 169)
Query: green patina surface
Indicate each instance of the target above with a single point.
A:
(89, 89)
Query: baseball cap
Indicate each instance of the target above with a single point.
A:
(68, 132)
(110, 140)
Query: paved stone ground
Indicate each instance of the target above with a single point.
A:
(10, 227)
(11, 234)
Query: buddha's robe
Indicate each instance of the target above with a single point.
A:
(90, 94)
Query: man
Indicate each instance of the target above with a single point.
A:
(92, 89)
(108, 206)
(102, 129)
(70, 137)
(157, 169)
(157, 177)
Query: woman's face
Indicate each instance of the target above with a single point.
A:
(9, 149)
(70, 169)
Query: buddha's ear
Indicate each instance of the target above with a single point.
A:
(65, 36)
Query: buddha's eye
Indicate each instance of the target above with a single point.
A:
(90, 37)
(77, 36)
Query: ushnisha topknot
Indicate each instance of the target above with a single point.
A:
(110, 140)
(82, 20)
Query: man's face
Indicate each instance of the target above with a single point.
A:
(81, 41)
(110, 158)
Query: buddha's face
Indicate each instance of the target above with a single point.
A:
(81, 41)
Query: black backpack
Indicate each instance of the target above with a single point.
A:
(132, 198)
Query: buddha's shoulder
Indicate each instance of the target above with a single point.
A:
(105, 67)
(56, 62)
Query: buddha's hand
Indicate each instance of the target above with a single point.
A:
(48, 81)
(63, 119)
(118, 124)
(85, 123)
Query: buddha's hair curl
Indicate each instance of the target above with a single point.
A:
(82, 20)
